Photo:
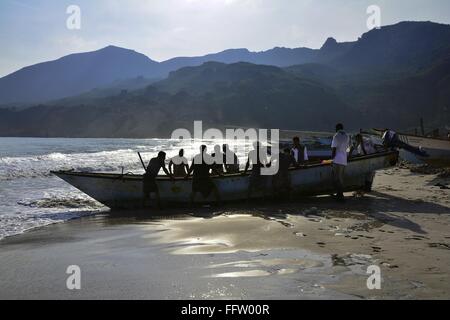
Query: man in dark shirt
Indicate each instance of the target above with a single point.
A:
(218, 158)
(155, 165)
(202, 182)
(281, 182)
(231, 167)
(257, 182)
(178, 166)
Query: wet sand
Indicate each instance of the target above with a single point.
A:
(310, 249)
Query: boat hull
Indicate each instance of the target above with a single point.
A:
(437, 149)
(126, 191)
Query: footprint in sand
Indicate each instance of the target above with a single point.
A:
(390, 266)
(417, 237)
(264, 268)
(299, 234)
(444, 246)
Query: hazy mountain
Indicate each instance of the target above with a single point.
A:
(281, 57)
(242, 94)
(401, 102)
(78, 73)
(318, 72)
(119, 87)
(332, 50)
(74, 74)
(389, 78)
(390, 99)
(404, 47)
(310, 96)
(214, 76)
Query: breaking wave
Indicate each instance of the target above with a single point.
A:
(30, 197)
(11, 225)
(40, 166)
(62, 203)
(126, 160)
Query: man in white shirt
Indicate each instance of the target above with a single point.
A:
(339, 148)
(364, 147)
(299, 152)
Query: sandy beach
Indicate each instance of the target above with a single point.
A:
(308, 249)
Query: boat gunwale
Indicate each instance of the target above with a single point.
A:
(116, 176)
(413, 135)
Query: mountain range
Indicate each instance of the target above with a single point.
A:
(389, 77)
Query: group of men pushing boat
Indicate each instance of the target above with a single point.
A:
(225, 162)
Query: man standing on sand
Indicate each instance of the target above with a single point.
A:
(339, 147)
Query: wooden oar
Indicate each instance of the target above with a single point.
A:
(142, 161)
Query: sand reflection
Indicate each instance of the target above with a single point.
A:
(228, 233)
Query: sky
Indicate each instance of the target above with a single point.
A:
(33, 31)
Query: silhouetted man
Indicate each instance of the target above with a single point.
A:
(257, 181)
(202, 181)
(281, 182)
(179, 164)
(231, 167)
(151, 173)
(218, 158)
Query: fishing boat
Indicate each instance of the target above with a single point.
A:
(119, 191)
(438, 149)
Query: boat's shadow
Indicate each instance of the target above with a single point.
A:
(380, 207)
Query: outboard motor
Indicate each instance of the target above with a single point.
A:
(392, 141)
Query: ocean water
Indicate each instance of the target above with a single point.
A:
(31, 197)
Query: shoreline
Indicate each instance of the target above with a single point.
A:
(311, 249)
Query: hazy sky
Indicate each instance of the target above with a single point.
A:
(33, 31)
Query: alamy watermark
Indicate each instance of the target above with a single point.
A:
(374, 19)
(73, 282)
(258, 137)
(73, 22)
(374, 280)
